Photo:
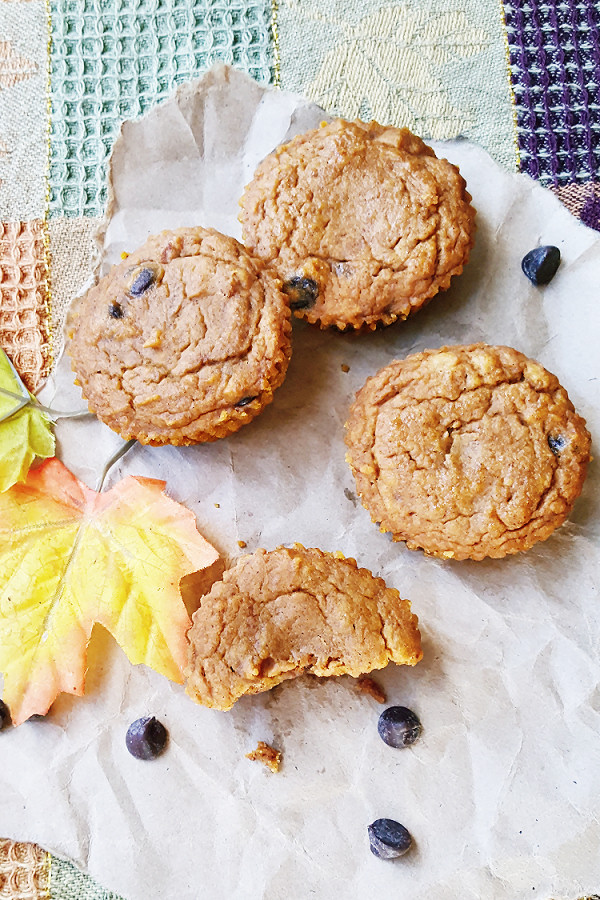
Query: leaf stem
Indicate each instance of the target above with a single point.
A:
(117, 455)
(32, 401)
(67, 414)
(13, 396)
(20, 404)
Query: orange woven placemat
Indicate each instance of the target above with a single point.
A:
(24, 870)
(24, 322)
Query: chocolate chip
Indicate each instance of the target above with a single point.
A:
(398, 726)
(556, 444)
(146, 738)
(388, 839)
(303, 292)
(4, 715)
(245, 401)
(541, 263)
(115, 310)
(142, 281)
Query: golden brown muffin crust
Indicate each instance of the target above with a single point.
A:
(467, 451)
(184, 341)
(280, 614)
(363, 223)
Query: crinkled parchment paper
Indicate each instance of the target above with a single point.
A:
(502, 791)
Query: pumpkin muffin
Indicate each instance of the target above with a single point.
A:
(288, 612)
(467, 452)
(184, 341)
(363, 223)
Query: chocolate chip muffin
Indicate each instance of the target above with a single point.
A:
(184, 341)
(363, 223)
(288, 612)
(467, 452)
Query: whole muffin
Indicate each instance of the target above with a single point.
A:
(363, 223)
(467, 452)
(184, 341)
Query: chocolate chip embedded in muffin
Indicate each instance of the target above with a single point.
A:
(363, 223)
(302, 292)
(289, 612)
(143, 277)
(182, 342)
(115, 311)
(467, 452)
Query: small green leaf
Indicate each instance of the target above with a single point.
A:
(25, 431)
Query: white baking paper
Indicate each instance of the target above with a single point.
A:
(502, 791)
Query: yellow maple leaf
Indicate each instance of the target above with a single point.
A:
(70, 557)
(25, 431)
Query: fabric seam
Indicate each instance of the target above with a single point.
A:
(275, 38)
(513, 100)
(48, 870)
(45, 222)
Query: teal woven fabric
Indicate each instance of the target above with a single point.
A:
(114, 59)
(67, 883)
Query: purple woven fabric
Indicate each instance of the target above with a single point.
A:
(555, 65)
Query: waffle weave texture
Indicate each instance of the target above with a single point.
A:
(23, 871)
(114, 59)
(24, 324)
(555, 71)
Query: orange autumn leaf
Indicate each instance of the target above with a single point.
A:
(70, 557)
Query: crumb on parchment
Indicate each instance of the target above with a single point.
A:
(266, 754)
(367, 685)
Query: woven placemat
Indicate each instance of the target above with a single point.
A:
(24, 325)
(66, 882)
(555, 70)
(24, 870)
(114, 61)
(24, 319)
(437, 68)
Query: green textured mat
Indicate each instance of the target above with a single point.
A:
(114, 59)
(67, 883)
